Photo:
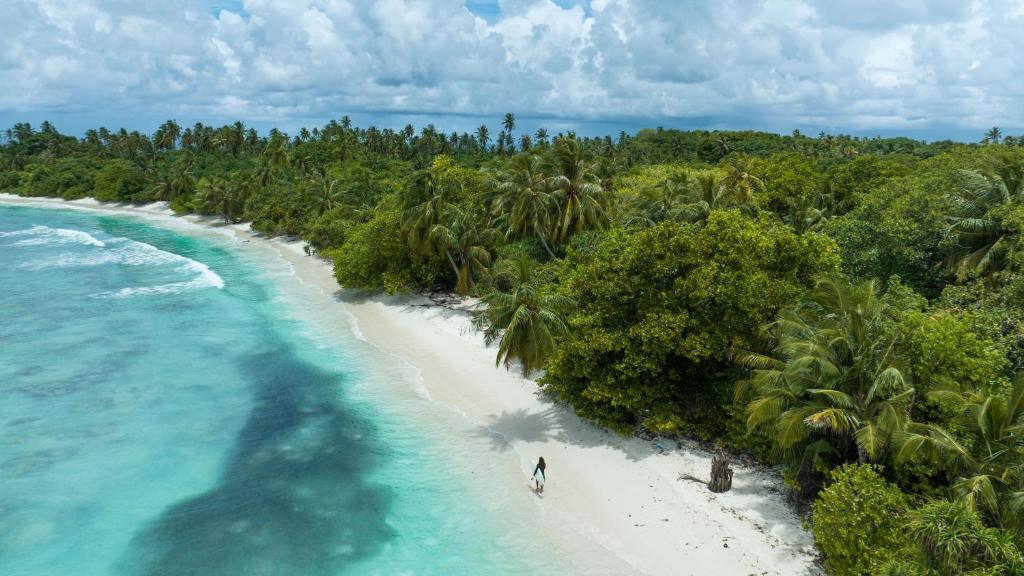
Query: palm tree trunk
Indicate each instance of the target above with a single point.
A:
(452, 262)
(545, 243)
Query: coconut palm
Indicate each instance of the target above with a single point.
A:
(217, 196)
(523, 206)
(509, 123)
(421, 218)
(526, 322)
(833, 384)
(952, 540)
(461, 235)
(483, 136)
(667, 200)
(986, 455)
(324, 185)
(740, 180)
(577, 190)
(993, 135)
(987, 239)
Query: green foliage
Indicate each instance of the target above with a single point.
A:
(851, 183)
(526, 322)
(119, 181)
(943, 349)
(374, 255)
(660, 311)
(68, 178)
(790, 181)
(832, 391)
(858, 521)
(900, 229)
(277, 209)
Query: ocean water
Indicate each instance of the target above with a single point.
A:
(170, 405)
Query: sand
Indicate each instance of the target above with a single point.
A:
(615, 504)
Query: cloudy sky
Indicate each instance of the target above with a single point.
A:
(928, 68)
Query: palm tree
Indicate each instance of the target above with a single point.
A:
(706, 193)
(668, 200)
(987, 242)
(483, 137)
(577, 190)
(524, 206)
(952, 540)
(542, 137)
(324, 185)
(461, 233)
(420, 219)
(509, 122)
(988, 456)
(833, 384)
(217, 195)
(740, 180)
(526, 322)
(993, 135)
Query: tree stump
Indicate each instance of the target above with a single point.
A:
(721, 473)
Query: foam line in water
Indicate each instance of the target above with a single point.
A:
(41, 235)
(127, 252)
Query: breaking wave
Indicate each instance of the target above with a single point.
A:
(41, 235)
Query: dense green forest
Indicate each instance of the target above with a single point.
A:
(850, 308)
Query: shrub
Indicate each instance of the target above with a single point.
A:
(119, 181)
(858, 521)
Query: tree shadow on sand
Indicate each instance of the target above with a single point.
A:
(555, 423)
(292, 499)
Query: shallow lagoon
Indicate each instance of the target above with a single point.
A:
(170, 406)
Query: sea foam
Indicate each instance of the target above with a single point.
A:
(118, 251)
(40, 235)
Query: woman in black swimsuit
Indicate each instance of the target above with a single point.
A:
(538, 475)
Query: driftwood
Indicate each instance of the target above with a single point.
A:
(721, 473)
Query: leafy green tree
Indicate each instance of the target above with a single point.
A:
(119, 181)
(858, 521)
(790, 182)
(898, 230)
(943, 349)
(526, 321)
(374, 255)
(660, 311)
(845, 184)
(834, 386)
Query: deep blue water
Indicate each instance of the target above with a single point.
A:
(164, 410)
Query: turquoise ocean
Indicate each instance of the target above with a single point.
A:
(170, 406)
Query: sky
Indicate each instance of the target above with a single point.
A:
(925, 68)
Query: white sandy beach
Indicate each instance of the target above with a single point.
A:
(616, 501)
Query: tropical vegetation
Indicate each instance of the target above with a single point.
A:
(849, 308)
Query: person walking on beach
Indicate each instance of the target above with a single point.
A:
(538, 475)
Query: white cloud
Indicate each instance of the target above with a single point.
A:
(864, 64)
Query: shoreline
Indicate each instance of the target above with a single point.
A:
(621, 495)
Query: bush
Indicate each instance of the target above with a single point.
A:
(119, 181)
(858, 521)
